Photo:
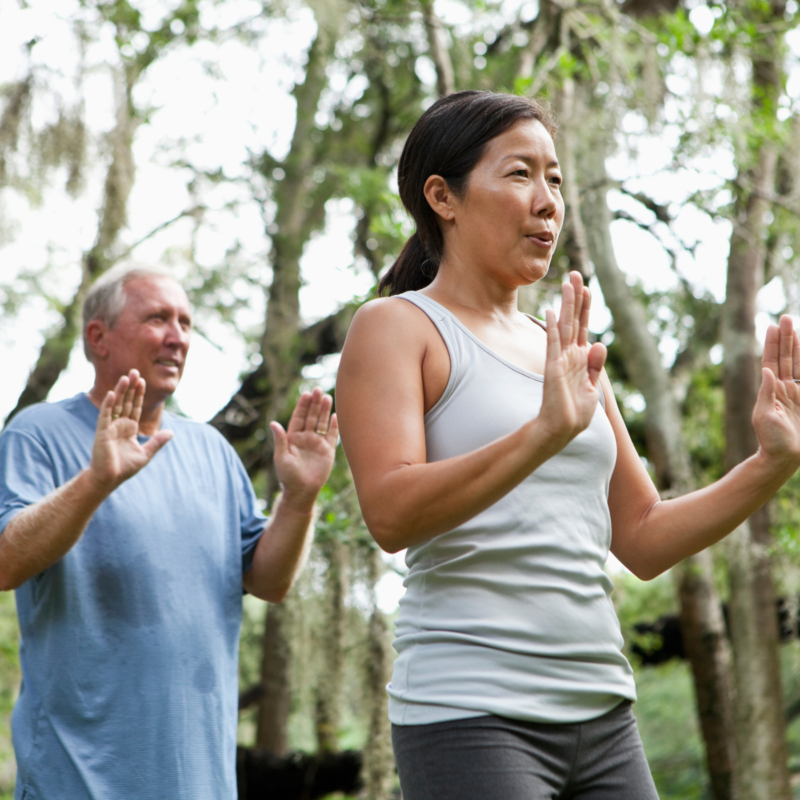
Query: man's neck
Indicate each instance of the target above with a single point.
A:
(149, 422)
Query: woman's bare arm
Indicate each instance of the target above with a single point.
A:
(651, 535)
(380, 399)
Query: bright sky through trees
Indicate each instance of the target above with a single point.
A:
(222, 120)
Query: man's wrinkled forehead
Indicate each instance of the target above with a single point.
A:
(155, 292)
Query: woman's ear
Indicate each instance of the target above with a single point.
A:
(439, 196)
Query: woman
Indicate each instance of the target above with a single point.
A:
(491, 447)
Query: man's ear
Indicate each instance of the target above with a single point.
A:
(439, 196)
(96, 332)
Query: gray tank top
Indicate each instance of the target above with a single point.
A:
(510, 613)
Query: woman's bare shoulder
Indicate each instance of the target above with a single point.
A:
(393, 318)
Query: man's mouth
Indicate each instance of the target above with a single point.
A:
(168, 362)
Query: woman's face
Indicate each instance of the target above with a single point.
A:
(510, 216)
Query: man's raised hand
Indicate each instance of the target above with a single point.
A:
(304, 452)
(117, 454)
(573, 367)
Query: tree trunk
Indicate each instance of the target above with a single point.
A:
(576, 245)
(297, 214)
(378, 756)
(445, 79)
(544, 27)
(275, 704)
(56, 350)
(330, 687)
(708, 650)
(762, 767)
(702, 623)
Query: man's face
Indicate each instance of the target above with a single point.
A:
(151, 335)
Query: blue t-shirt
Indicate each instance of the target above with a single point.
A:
(129, 643)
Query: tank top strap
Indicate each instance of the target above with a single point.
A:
(451, 331)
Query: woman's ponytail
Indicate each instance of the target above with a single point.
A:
(414, 269)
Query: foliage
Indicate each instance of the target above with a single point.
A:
(9, 687)
(668, 724)
(639, 601)
(703, 422)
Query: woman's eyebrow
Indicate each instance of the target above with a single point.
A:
(530, 159)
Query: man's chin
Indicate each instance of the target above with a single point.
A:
(158, 395)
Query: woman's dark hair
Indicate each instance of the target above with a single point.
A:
(448, 140)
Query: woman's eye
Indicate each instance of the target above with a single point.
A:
(522, 172)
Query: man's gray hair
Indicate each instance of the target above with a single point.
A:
(106, 298)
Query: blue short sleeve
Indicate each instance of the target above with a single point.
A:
(252, 518)
(27, 473)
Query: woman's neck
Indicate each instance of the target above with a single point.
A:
(459, 285)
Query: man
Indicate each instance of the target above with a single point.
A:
(128, 534)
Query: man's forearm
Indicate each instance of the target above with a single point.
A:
(44, 532)
(281, 551)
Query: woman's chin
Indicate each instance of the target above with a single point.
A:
(534, 272)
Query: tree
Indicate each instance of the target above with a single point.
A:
(126, 19)
(762, 766)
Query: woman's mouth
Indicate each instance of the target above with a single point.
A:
(541, 240)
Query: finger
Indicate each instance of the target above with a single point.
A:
(119, 396)
(553, 337)
(280, 437)
(314, 408)
(156, 442)
(324, 414)
(769, 358)
(795, 355)
(596, 361)
(138, 400)
(577, 287)
(786, 341)
(106, 410)
(565, 323)
(333, 431)
(300, 413)
(583, 329)
(130, 393)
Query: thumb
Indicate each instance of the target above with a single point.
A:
(156, 442)
(766, 394)
(595, 361)
(281, 443)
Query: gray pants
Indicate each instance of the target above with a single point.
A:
(495, 758)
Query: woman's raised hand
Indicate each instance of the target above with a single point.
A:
(776, 416)
(573, 366)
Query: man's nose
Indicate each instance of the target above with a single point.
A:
(176, 335)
